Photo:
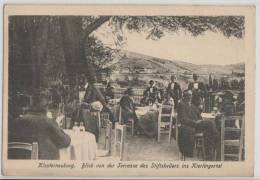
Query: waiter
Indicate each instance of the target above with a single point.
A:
(198, 92)
(174, 90)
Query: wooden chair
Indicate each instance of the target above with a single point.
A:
(162, 125)
(120, 133)
(129, 123)
(237, 143)
(33, 148)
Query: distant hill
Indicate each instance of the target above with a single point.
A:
(132, 59)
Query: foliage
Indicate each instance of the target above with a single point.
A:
(99, 55)
(157, 26)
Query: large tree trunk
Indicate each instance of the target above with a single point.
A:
(39, 39)
(74, 38)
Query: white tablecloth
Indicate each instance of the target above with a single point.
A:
(83, 146)
(140, 111)
(208, 116)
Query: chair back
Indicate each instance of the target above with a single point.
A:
(233, 123)
(120, 134)
(168, 112)
(33, 148)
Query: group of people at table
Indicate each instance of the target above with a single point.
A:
(38, 126)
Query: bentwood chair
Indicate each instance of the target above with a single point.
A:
(232, 137)
(21, 146)
(165, 118)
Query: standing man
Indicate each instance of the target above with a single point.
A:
(174, 90)
(198, 92)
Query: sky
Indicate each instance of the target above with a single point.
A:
(208, 48)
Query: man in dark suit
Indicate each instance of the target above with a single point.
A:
(151, 94)
(37, 127)
(174, 91)
(191, 122)
(198, 92)
(128, 108)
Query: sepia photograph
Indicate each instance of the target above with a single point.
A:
(124, 88)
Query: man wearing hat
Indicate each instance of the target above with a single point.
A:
(191, 123)
(198, 92)
(128, 108)
(37, 126)
(174, 90)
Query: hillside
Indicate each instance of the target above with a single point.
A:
(132, 59)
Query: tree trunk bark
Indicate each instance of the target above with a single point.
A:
(39, 40)
(74, 38)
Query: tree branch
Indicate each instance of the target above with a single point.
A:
(93, 26)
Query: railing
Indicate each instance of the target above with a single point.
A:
(138, 94)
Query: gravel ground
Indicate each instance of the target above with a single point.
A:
(142, 148)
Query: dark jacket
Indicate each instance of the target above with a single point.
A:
(93, 94)
(127, 108)
(151, 94)
(37, 127)
(197, 94)
(175, 93)
(187, 116)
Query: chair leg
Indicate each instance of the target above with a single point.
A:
(132, 127)
(115, 143)
(203, 149)
(170, 132)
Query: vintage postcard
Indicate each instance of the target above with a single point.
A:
(128, 90)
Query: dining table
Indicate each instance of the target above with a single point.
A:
(83, 146)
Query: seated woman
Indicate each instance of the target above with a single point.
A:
(191, 123)
(37, 126)
(128, 108)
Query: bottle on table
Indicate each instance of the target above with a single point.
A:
(81, 127)
(75, 128)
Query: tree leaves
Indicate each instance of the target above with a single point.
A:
(157, 26)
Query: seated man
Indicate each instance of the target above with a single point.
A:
(37, 127)
(191, 123)
(151, 94)
(128, 108)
